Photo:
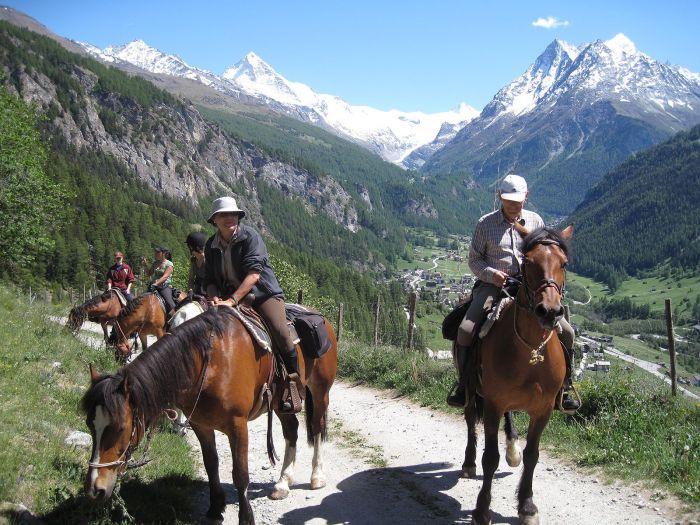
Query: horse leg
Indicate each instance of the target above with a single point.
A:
(238, 440)
(316, 414)
(527, 510)
(469, 465)
(489, 463)
(513, 453)
(217, 500)
(105, 331)
(290, 428)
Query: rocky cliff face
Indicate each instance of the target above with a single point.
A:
(171, 147)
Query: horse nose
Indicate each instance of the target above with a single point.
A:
(543, 312)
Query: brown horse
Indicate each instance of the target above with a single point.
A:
(522, 368)
(145, 316)
(211, 369)
(103, 309)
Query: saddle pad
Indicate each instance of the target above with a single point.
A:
(253, 324)
(493, 315)
(120, 296)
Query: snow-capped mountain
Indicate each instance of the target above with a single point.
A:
(392, 134)
(575, 113)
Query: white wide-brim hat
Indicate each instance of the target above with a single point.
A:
(513, 188)
(225, 204)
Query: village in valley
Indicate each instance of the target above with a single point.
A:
(439, 274)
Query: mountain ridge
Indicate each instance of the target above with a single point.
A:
(573, 115)
(391, 134)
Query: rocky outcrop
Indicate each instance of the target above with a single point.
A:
(173, 149)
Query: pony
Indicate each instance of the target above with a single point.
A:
(103, 308)
(210, 368)
(522, 367)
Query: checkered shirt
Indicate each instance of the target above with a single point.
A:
(496, 244)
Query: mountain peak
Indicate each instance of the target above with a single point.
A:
(620, 44)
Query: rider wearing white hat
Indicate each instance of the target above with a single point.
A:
(237, 263)
(495, 254)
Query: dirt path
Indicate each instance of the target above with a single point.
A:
(390, 461)
(422, 451)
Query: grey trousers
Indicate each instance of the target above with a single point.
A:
(483, 296)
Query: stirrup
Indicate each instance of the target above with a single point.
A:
(454, 399)
(560, 401)
(291, 402)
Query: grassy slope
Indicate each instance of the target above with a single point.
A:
(43, 374)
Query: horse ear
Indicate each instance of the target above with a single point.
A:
(94, 374)
(568, 232)
(124, 386)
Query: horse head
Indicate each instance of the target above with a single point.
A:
(544, 273)
(115, 432)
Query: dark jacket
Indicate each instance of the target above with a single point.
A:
(248, 254)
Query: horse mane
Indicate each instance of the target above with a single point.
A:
(546, 236)
(155, 379)
(77, 315)
(132, 306)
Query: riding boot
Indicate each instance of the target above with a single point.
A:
(291, 400)
(565, 402)
(457, 397)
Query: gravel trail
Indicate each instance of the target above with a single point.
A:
(389, 460)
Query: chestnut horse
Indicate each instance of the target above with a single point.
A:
(522, 368)
(211, 369)
(103, 309)
(144, 315)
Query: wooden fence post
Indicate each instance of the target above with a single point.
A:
(671, 345)
(376, 322)
(411, 319)
(340, 322)
(300, 296)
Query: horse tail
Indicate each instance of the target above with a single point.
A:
(309, 416)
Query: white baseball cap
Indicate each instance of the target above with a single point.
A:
(513, 188)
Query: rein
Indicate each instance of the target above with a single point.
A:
(126, 455)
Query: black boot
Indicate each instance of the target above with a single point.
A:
(566, 402)
(291, 401)
(457, 396)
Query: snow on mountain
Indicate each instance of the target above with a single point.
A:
(572, 104)
(391, 134)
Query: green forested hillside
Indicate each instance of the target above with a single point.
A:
(65, 209)
(643, 213)
(393, 191)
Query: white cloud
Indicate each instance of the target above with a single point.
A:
(550, 22)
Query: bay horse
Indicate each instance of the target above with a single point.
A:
(211, 369)
(522, 368)
(103, 308)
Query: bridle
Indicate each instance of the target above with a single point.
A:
(531, 294)
(126, 455)
(536, 355)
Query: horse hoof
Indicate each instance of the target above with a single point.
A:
(317, 483)
(469, 472)
(279, 493)
(513, 454)
(529, 519)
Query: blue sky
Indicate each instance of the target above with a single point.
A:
(407, 55)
